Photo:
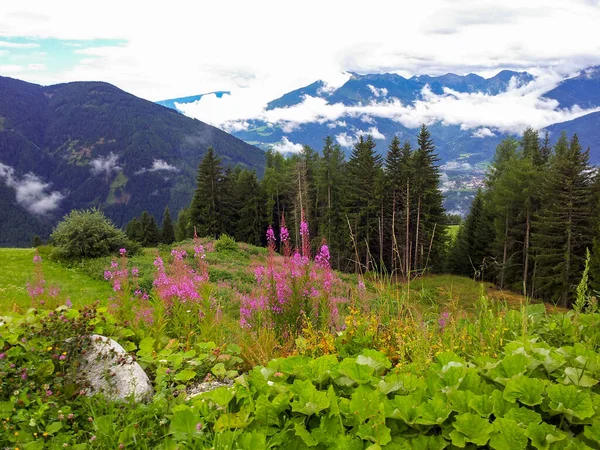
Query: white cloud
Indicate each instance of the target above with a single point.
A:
(483, 132)
(377, 92)
(31, 192)
(159, 164)
(6, 44)
(344, 140)
(512, 111)
(10, 68)
(373, 131)
(274, 59)
(286, 146)
(456, 165)
(36, 66)
(105, 165)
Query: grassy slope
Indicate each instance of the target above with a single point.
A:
(232, 271)
(17, 271)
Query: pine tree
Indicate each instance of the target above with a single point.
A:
(472, 247)
(563, 230)
(429, 236)
(330, 178)
(150, 231)
(183, 227)
(134, 230)
(167, 232)
(362, 206)
(250, 228)
(206, 212)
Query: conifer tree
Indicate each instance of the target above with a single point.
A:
(150, 231)
(472, 247)
(329, 181)
(206, 209)
(429, 234)
(362, 206)
(167, 232)
(183, 226)
(248, 201)
(134, 230)
(563, 230)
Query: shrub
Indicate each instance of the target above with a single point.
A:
(88, 234)
(226, 243)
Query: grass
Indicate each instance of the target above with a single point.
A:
(452, 231)
(74, 283)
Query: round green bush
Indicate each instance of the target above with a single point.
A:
(88, 234)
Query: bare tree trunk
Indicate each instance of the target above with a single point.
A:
(526, 253)
(415, 264)
(505, 254)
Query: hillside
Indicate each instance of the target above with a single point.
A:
(84, 144)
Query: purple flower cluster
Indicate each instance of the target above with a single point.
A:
(179, 281)
(290, 288)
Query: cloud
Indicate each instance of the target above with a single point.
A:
(105, 165)
(377, 92)
(10, 68)
(373, 131)
(286, 146)
(456, 165)
(345, 140)
(483, 132)
(36, 66)
(18, 45)
(158, 165)
(510, 111)
(31, 192)
(480, 37)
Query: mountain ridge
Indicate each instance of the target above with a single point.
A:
(86, 144)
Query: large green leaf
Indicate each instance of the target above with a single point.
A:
(524, 389)
(185, 375)
(500, 405)
(403, 407)
(482, 405)
(319, 370)
(508, 435)
(434, 412)
(471, 428)
(374, 431)
(593, 432)
(359, 373)
(570, 401)
(523, 416)
(308, 400)
(374, 359)
(366, 403)
(578, 377)
(305, 435)
(543, 435)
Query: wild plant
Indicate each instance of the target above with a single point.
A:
(42, 295)
(129, 304)
(181, 293)
(293, 290)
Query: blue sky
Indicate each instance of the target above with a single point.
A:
(51, 56)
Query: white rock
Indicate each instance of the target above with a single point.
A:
(110, 370)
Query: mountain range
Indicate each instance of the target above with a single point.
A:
(457, 144)
(373, 103)
(90, 144)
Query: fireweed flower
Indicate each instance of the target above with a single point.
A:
(122, 251)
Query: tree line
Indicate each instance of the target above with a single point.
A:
(529, 229)
(375, 213)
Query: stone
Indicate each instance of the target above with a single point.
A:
(108, 369)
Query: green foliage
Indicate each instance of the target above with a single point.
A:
(167, 231)
(88, 234)
(226, 243)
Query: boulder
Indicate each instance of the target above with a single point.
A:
(108, 369)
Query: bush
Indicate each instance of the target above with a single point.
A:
(88, 234)
(226, 243)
